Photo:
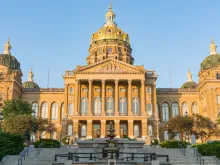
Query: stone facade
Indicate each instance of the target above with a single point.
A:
(111, 89)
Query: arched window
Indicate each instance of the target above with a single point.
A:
(150, 130)
(97, 106)
(110, 106)
(62, 110)
(195, 108)
(71, 90)
(185, 109)
(149, 109)
(175, 109)
(70, 130)
(84, 106)
(148, 90)
(83, 130)
(35, 109)
(136, 130)
(70, 109)
(123, 106)
(54, 110)
(135, 105)
(218, 99)
(165, 112)
(44, 110)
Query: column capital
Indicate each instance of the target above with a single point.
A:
(103, 81)
(90, 81)
(116, 81)
(77, 81)
(130, 121)
(117, 121)
(103, 121)
(129, 81)
(89, 121)
(142, 81)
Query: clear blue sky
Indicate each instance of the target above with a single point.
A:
(60, 31)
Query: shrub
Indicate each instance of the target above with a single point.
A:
(209, 149)
(47, 143)
(173, 144)
(10, 144)
(155, 142)
(64, 141)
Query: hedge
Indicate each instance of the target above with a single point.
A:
(10, 144)
(173, 144)
(47, 143)
(209, 149)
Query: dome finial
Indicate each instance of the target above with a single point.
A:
(110, 16)
(213, 48)
(7, 47)
(189, 76)
(30, 76)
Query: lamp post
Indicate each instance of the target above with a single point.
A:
(168, 134)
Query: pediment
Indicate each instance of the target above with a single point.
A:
(110, 66)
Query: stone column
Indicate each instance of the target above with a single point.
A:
(117, 128)
(144, 129)
(143, 109)
(59, 114)
(76, 128)
(130, 128)
(103, 127)
(154, 101)
(129, 98)
(103, 98)
(39, 110)
(49, 112)
(90, 99)
(76, 97)
(89, 129)
(66, 100)
(116, 98)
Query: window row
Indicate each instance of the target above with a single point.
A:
(165, 113)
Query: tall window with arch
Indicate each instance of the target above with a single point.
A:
(137, 130)
(44, 110)
(165, 112)
(62, 111)
(123, 106)
(175, 109)
(150, 130)
(70, 109)
(135, 105)
(71, 90)
(148, 90)
(70, 130)
(97, 106)
(110, 106)
(35, 109)
(84, 106)
(149, 109)
(195, 108)
(185, 109)
(54, 109)
(83, 130)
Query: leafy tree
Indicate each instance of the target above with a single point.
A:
(16, 107)
(180, 125)
(204, 127)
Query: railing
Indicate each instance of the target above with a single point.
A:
(39, 148)
(182, 149)
(176, 90)
(198, 156)
(93, 156)
(23, 155)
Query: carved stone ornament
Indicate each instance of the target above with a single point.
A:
(110, 68)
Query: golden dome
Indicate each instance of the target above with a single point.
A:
(110, 30)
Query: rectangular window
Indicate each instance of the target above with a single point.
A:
(135, 89)
(97, 89)
(122, 89)
(217, 76)
(218, 112)
(84, 89)
(110, 89)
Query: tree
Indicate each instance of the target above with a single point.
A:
(16, 107)
(180, 125)
(204, 127)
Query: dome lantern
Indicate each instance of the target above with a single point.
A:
(213, 48)
(189, 76)
(110, 16)
(189, 84)
(7, 47)
(30, 75)
(30, 83)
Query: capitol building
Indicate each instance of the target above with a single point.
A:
(110, 88)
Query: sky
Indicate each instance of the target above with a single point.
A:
(166, 36)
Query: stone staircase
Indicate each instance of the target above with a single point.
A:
(45, 156)
(176, 157)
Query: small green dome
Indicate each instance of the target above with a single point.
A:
(210, 62)
(30, 84)
(9, 61)
(191, 85)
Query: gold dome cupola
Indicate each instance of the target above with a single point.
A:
(110, 42)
